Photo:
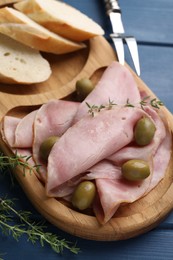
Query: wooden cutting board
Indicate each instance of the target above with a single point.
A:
(130, 220)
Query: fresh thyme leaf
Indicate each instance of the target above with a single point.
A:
(93, 108)
(111, 104)
(128, 104)
(156, 103)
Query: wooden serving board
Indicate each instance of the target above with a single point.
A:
(131, 219)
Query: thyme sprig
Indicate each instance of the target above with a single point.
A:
(34, 231)
(94, 108)
(156, 103)
(17, 160)
(128, 104)
(144, 102)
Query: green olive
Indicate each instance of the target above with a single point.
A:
(84, 195)
(83, 88)
(46, 147)
(135, 170)
(144, 131)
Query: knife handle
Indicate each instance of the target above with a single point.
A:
(112, 6)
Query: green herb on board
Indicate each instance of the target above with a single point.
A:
(36, 232)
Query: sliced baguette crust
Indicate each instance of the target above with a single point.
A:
(21, 28)
(20, 64)
(8, 2)
(60, 18)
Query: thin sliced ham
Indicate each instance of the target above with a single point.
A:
(24, 131)
(89, 141)
(114, 192)
(8, 128)
(144, 152)
(116, 85)
(157, 153)
(161, 160)
(103, 169)
(52, 119)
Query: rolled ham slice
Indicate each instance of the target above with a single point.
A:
(27, 134)
(114, 192)
(144, 152)
(157, 153)
(8, 127)
(103, 169)
(89, 141)
(117, 191)
(117, 85)
(52, 119)
(24, 131)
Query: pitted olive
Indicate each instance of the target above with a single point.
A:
(46, 147)
(135, 170)
(144, 131)
(84, 195)
(83, 88)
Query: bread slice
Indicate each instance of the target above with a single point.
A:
(21, 28)
(60, 18)
(20, 64)
(8, 2)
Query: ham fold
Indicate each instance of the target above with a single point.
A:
(89, 141)
(24, 131)
(117, 191)
(116, 84)
(52, 119)
(8, 128)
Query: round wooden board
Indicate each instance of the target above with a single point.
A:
(131, 219)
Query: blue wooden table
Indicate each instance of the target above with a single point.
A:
(151, 22)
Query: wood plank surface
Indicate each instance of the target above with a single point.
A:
(150, 21)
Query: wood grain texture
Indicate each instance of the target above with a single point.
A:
(130, 220)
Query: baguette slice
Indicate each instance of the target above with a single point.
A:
(21, 28)
(20, 64)
(60, 18)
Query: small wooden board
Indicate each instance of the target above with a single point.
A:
(131, 219)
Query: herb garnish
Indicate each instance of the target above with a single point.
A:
(17, 160)
(93, 108)
(144, 102)
(34, 231)
(156, 103)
